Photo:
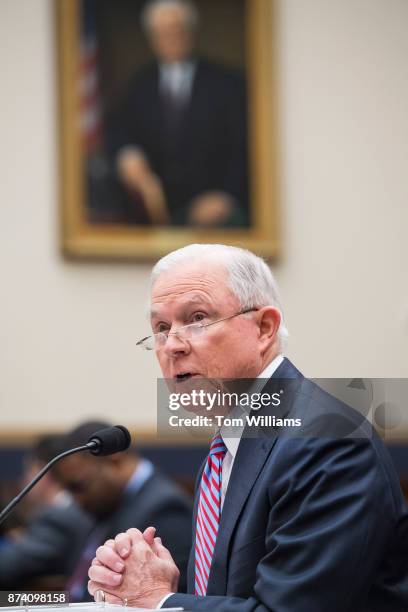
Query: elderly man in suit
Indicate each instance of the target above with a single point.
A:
(285, 523)
(179, 136)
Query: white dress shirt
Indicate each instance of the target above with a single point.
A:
(177, 79)
(232, 441)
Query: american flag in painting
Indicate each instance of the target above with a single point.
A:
(89, 88)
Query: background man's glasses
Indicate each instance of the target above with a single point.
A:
(187, 332)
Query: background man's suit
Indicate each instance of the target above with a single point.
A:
(157, 503)
(199, 147)
(309, 524)
(50, 545)
(161, 504)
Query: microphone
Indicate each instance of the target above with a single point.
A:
(109, 440)
(104, 442)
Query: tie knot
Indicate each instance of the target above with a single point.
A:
(217, 446)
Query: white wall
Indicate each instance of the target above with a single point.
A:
(67, 330)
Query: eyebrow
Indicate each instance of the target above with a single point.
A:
(194, 300)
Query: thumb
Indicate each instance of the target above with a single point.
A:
(148, 535)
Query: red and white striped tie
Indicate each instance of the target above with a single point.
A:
(208, 514)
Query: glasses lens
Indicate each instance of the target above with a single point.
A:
(146, 343)
(192, 331)
(158, 340)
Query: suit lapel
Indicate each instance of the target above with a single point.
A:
(249, 461)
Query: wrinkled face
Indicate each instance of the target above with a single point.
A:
(91, 481)
(169, 35)
(198, 292)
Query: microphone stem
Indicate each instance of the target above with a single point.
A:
(4, 514)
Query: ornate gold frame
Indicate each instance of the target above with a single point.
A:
(83, 240)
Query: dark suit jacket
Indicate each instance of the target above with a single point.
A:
(205, 150)
(51, 545)
(313, 523)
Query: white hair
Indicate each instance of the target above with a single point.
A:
(248, 276)
(188, 7)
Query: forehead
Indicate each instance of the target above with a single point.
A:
(74, 465)
(196, 283)
(167, 15)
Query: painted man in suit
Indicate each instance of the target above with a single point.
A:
(179, 135)
(121, 491)
(285, 523)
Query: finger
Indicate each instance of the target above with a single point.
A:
(155, 546)
(104, 576)
(134, 533)
(161, 551)
(123, 544)
(96, 561)
(137, 540)
(111, 544)
(109, 557)
(93, 587)
(149, 534)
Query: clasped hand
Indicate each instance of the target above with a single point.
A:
(134, 568)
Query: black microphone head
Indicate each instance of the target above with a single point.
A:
(110, 440)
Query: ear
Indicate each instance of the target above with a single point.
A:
(268, 321)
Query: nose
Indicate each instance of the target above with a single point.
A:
(176, 345)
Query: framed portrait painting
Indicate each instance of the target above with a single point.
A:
(167, 122)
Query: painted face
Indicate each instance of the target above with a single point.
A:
(195, 293)
(170, 37)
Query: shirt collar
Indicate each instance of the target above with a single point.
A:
(182, 71)
(184, 65)
(143, 471)
(232, 443)
(272, 367)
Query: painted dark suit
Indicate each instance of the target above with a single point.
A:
(198, 147)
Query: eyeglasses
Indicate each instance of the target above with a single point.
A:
(187, 332)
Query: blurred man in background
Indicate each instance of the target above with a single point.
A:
(121, 491)
(45, 552)
(180, 138)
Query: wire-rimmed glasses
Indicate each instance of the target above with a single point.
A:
(187, 332)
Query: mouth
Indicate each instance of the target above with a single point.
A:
(183, 376)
